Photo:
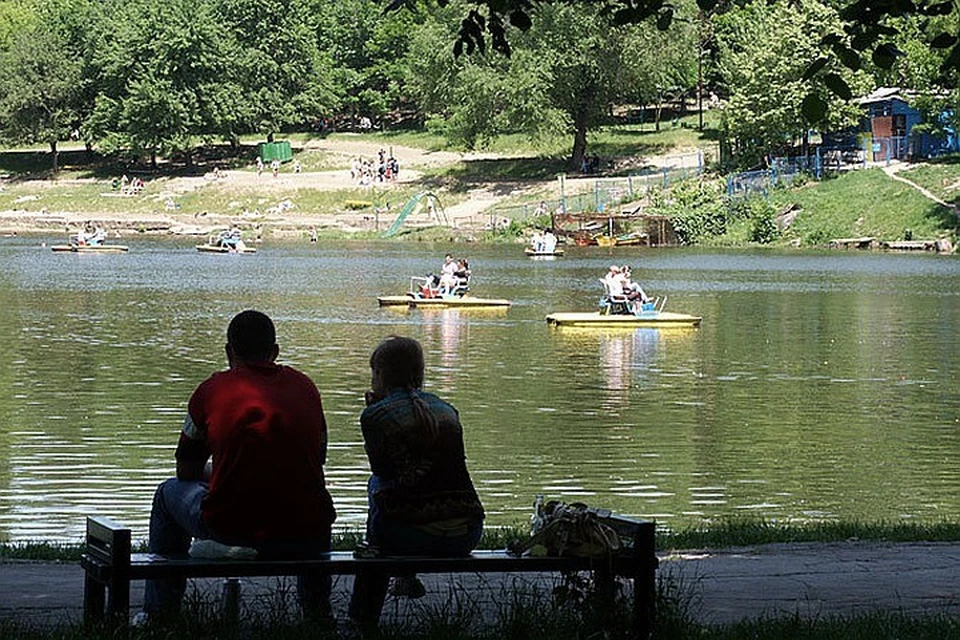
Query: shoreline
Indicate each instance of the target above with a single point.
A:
(15, 223)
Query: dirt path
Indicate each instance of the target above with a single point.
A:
(472, 213)
(893, 170)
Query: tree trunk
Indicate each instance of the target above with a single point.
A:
(153, 159)
(56, 157)
(579, 142)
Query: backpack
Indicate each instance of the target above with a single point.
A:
(560, 529)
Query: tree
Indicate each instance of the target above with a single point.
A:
(163, 77)
(39, 85)
(542, 85)
(664, 64)
(867, 30)
(764, 51)
(368, 51)
(286, 80)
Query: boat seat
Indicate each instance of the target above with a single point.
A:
(613, 304)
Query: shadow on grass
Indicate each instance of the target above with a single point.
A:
(952, 158)
(472, 172)
(80, 163)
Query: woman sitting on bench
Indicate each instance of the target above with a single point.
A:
(421, 499)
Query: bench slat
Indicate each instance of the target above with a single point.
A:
(144, 566)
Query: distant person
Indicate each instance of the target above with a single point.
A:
(549, 241)
(449, 265)
(536, 241)
(632, 290)
(422, 501)
(263, 425)
(275, 167)
(462, 274)
(613, 281)
(259, 166)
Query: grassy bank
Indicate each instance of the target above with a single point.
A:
(863, 203)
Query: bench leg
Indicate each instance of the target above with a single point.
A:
(230, 606)
(644, 601)
(94, 600)
(118, 602)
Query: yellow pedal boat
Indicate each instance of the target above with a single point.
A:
(533, 253)
(212, 248)
(90, 248)
(441, 302)
(646, 319)
(422, 296)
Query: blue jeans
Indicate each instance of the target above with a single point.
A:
(176, 519)
(396, 538)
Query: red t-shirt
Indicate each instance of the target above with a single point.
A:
(264, 426)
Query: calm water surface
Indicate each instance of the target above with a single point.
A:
(819, 386)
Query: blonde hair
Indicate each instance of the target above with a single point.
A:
(401, 365)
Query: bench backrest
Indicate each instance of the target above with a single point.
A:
(108, 541)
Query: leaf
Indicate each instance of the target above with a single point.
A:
(623, 17)
(520, 20)
(885, 55)
(815, 66)
(831, 39)
(862, 41)
(943, 41)
(849, 58)
(939, 9)
(838, 86)
(665, 19)
(953, 59)
(813, 108)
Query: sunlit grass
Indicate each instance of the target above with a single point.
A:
(861, 203)
(940, 176)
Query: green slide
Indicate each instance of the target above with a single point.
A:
(413, 206)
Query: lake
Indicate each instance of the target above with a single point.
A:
(820, 386)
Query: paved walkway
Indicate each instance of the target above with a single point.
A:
(807, 579)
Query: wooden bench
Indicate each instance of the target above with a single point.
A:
(110, 567)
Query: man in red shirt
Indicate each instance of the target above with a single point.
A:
(263, 425)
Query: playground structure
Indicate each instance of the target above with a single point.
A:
(425, 200)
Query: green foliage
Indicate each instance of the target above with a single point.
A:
(760, 215)
(544, 89)
(509, 231)
(765, 50)
(163, 76)
(369, 53)
(40, 82)
(696, 207)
